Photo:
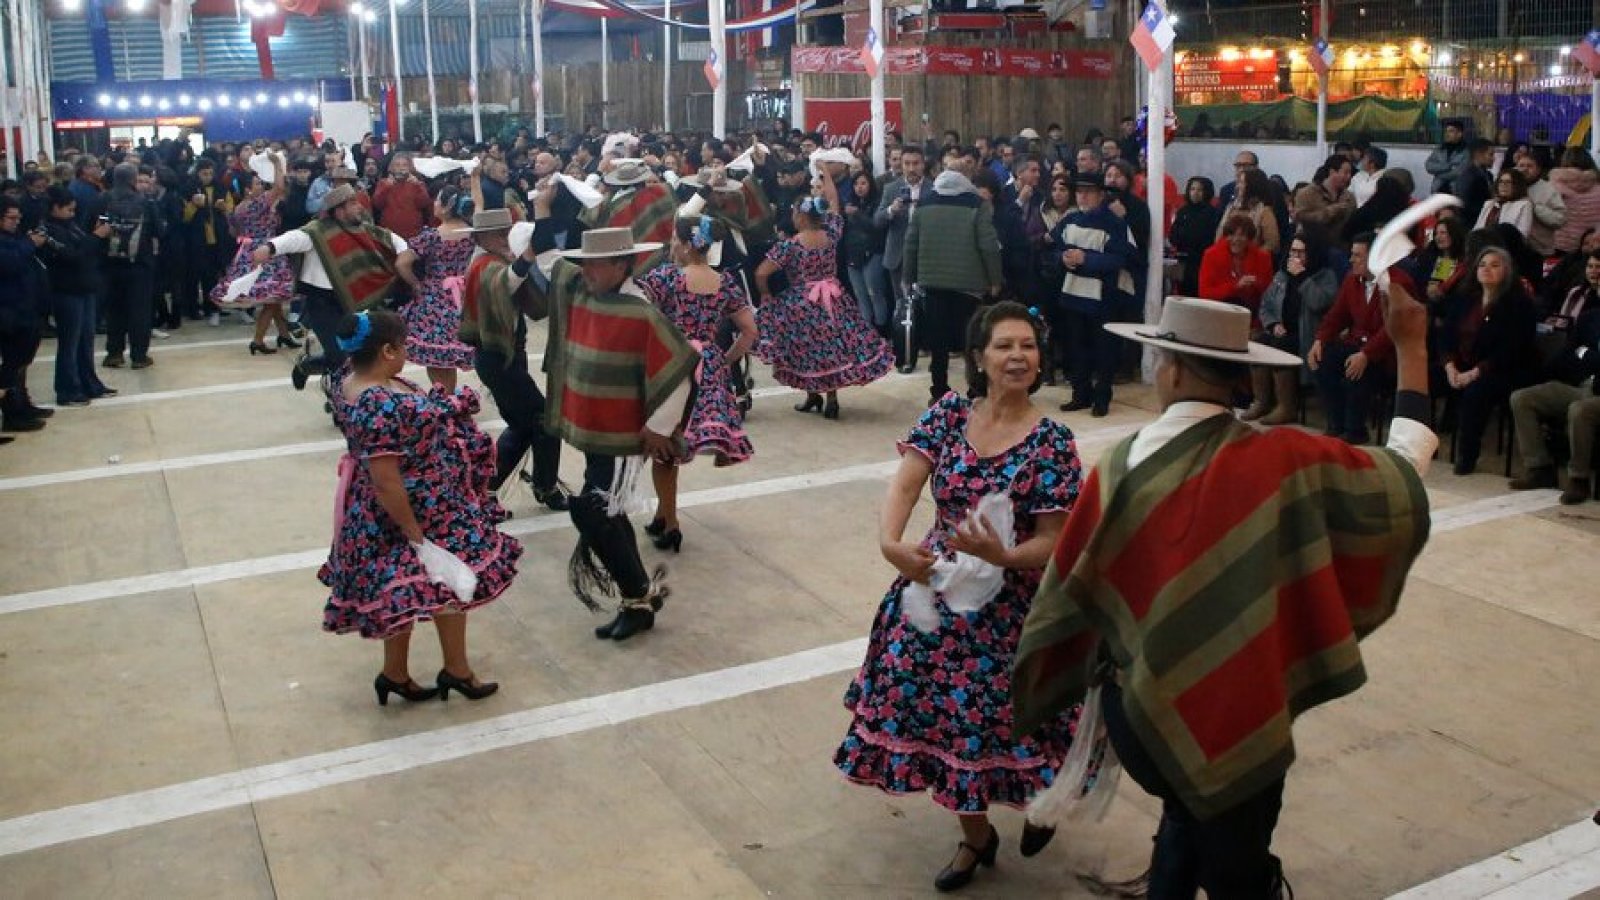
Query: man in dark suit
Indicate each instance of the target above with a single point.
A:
(901, 197)
(1475, 184)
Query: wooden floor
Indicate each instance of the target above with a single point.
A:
(173, 723)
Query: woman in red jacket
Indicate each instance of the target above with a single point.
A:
(1236, 269)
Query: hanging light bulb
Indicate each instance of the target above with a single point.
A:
(223, 100)
(283, 102)
(369, 16)
(145, 101)
(164, 105)
(312, 102)
(358, 8)
(244, 104)
(122, 103)
(205, 104)
(135, 5)
(104, 99)
(261, 96)
(71, 5)
(299, 96)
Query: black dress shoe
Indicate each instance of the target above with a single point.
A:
(17, 424)
(102, 391)
(906, 368)
(669, 540)
(953, 879)
(555, 498)
(831, 411)
(632, 620)
(656, 528)
(1100, 412)
(299, 376)
(1076, 405)
(813, 403)
(1035, 838)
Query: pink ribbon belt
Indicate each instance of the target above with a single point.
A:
(347, 474)
(826, 292)
(455, 287)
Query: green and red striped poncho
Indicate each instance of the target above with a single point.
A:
(611, 361)
(1229, 576)
(649, 210)
(360, 262)
(489, 311)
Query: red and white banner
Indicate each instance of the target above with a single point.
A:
(1078, 64)
(847, 122)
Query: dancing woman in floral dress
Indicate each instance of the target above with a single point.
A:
(931, 703)
(433, 317)
(254, 221)
(698, 298)
(813, 334)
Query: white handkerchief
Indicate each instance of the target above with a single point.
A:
(240, 286)
(582, 191)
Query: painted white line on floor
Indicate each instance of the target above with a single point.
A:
(161, 347)
(230, 457)
(1564, 863)
(1488, 509)
(288, 562)
(322, 770)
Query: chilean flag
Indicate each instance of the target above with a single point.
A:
(872, 53)
(1321, 57)
(1588, 52)
(713, 69)
(1153, 36)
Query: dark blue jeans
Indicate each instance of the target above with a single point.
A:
(1346, 401)
(1092, 357)
(1230, 855)
(75, 377)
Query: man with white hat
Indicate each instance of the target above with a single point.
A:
(1213, 581)
(621, 383)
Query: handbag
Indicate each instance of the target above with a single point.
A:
(903, 324)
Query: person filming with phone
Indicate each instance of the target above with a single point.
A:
(401, 202)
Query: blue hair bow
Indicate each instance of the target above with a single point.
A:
(814, 206)
(358, 340)
(701, 239)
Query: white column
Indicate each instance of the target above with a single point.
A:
(7, 63)
(366, 71)
(352, 22)
(1322, 91)
(1159, 94)
(42, 74)
(399, 76)
(605, 73)
(666, 68)
(427, 61)
(797, 98)
(879, 137)
(719, 42)
(472, 74)
(538, 67)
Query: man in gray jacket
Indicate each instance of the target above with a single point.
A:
(953, 252)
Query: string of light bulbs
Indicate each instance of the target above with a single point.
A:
(223, 100)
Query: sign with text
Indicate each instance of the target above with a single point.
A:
(1081, 64)
(847, 122)
(1256, 73)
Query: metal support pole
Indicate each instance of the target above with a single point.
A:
(538, 68)
(427, 60)
(879, 115)
(719, 43)
(1322, 91)
(605, 73)
(472, 76)
(399, 74)
(666, 68)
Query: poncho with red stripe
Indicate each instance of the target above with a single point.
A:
(1229, 576)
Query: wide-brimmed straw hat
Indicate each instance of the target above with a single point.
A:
(1205, 328)
(602, 243)
(721, 184)
(491, 220)
(628, 174)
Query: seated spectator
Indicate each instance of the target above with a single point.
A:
(1292, 308)
(1436, 265)
(1351, 350)
(1255, 199)
(1487, 348)
(1510, 205)
(1194, 230)
(1235, 269)
(1568, 393)
(1567, 273)
(1390, 197)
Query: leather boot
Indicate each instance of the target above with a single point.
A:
(1261, 393)
(1286, 384)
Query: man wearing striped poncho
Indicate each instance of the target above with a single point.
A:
(621, 384)
(635, 202)
(1214, 580)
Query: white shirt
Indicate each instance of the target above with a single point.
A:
(311, 271)
(1411, 440)
(1363, 183)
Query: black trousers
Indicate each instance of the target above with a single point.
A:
(521, 404)
(322, 314)
(1229, 855)
(130, 309)
(946, 314)
(17, 349)
(206, 264)
(608, 538)
(1347, 402)
(1093, 354)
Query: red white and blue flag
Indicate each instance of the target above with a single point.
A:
(713, 68)
(1588, 52)
(1321, 57)
(872, 53)
(1153, 36)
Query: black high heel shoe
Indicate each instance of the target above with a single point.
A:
(258, 347)
(656, 528)
(410, 690)
(286, 341)
(831, 411)
(813, 403)
(669, 540)
(464, 687)
(953, 879)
